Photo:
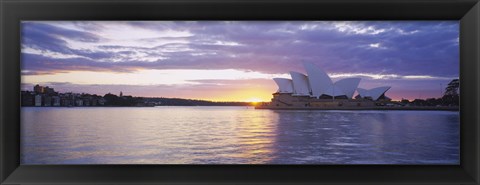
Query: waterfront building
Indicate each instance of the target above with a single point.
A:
(67, 102)
(46, 96)
(47, 101)
(56, 101)
(28, 99)
(48, 90)
(86, 102)
(317, 89)
(78, 102)
(93, 102)
(43, 90)
(38, 100)
(101, 101)
(38, 89)
(319, 85)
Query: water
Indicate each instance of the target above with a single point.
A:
(236, 135)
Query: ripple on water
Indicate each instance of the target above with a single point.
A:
(235, 135)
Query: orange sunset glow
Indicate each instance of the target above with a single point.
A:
(233, 61)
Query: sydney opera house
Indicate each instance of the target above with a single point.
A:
(317, 90)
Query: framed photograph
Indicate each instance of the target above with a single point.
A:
(247, 92)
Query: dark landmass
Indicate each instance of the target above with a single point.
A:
(193, 102)
(450, 98)
(48, 97)
(285, 101)
(416, 108)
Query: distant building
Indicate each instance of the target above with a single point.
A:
(48, 90)
(38, 100)
(78, 102)
(67, 102)
(56, 101)
(43, 90)
(28, 99)
(38, 89)
(86, 102)
(46, 96)
(101, 101)
(47, 101)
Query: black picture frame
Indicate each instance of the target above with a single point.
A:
(14, 11)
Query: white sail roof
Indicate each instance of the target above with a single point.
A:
(334, 91)
(285, 85)
(348, 85)
(318, 80)
(374, 93)
(300, 84)
(362, 92)
(318, 83)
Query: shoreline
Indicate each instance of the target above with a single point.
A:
(143, 106)
(281, 108)
(362, 108)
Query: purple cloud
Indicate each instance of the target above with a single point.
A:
(404, 48)
(415, 47)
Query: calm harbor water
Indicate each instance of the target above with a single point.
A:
(236, 135)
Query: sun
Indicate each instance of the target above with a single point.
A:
(254, 100)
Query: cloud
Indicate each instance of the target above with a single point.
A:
(359, 29)
(389, 76)
(413, 51)
(408, 48)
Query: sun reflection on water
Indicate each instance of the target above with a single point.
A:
(235, 135)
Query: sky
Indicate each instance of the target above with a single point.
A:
(236, 60)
